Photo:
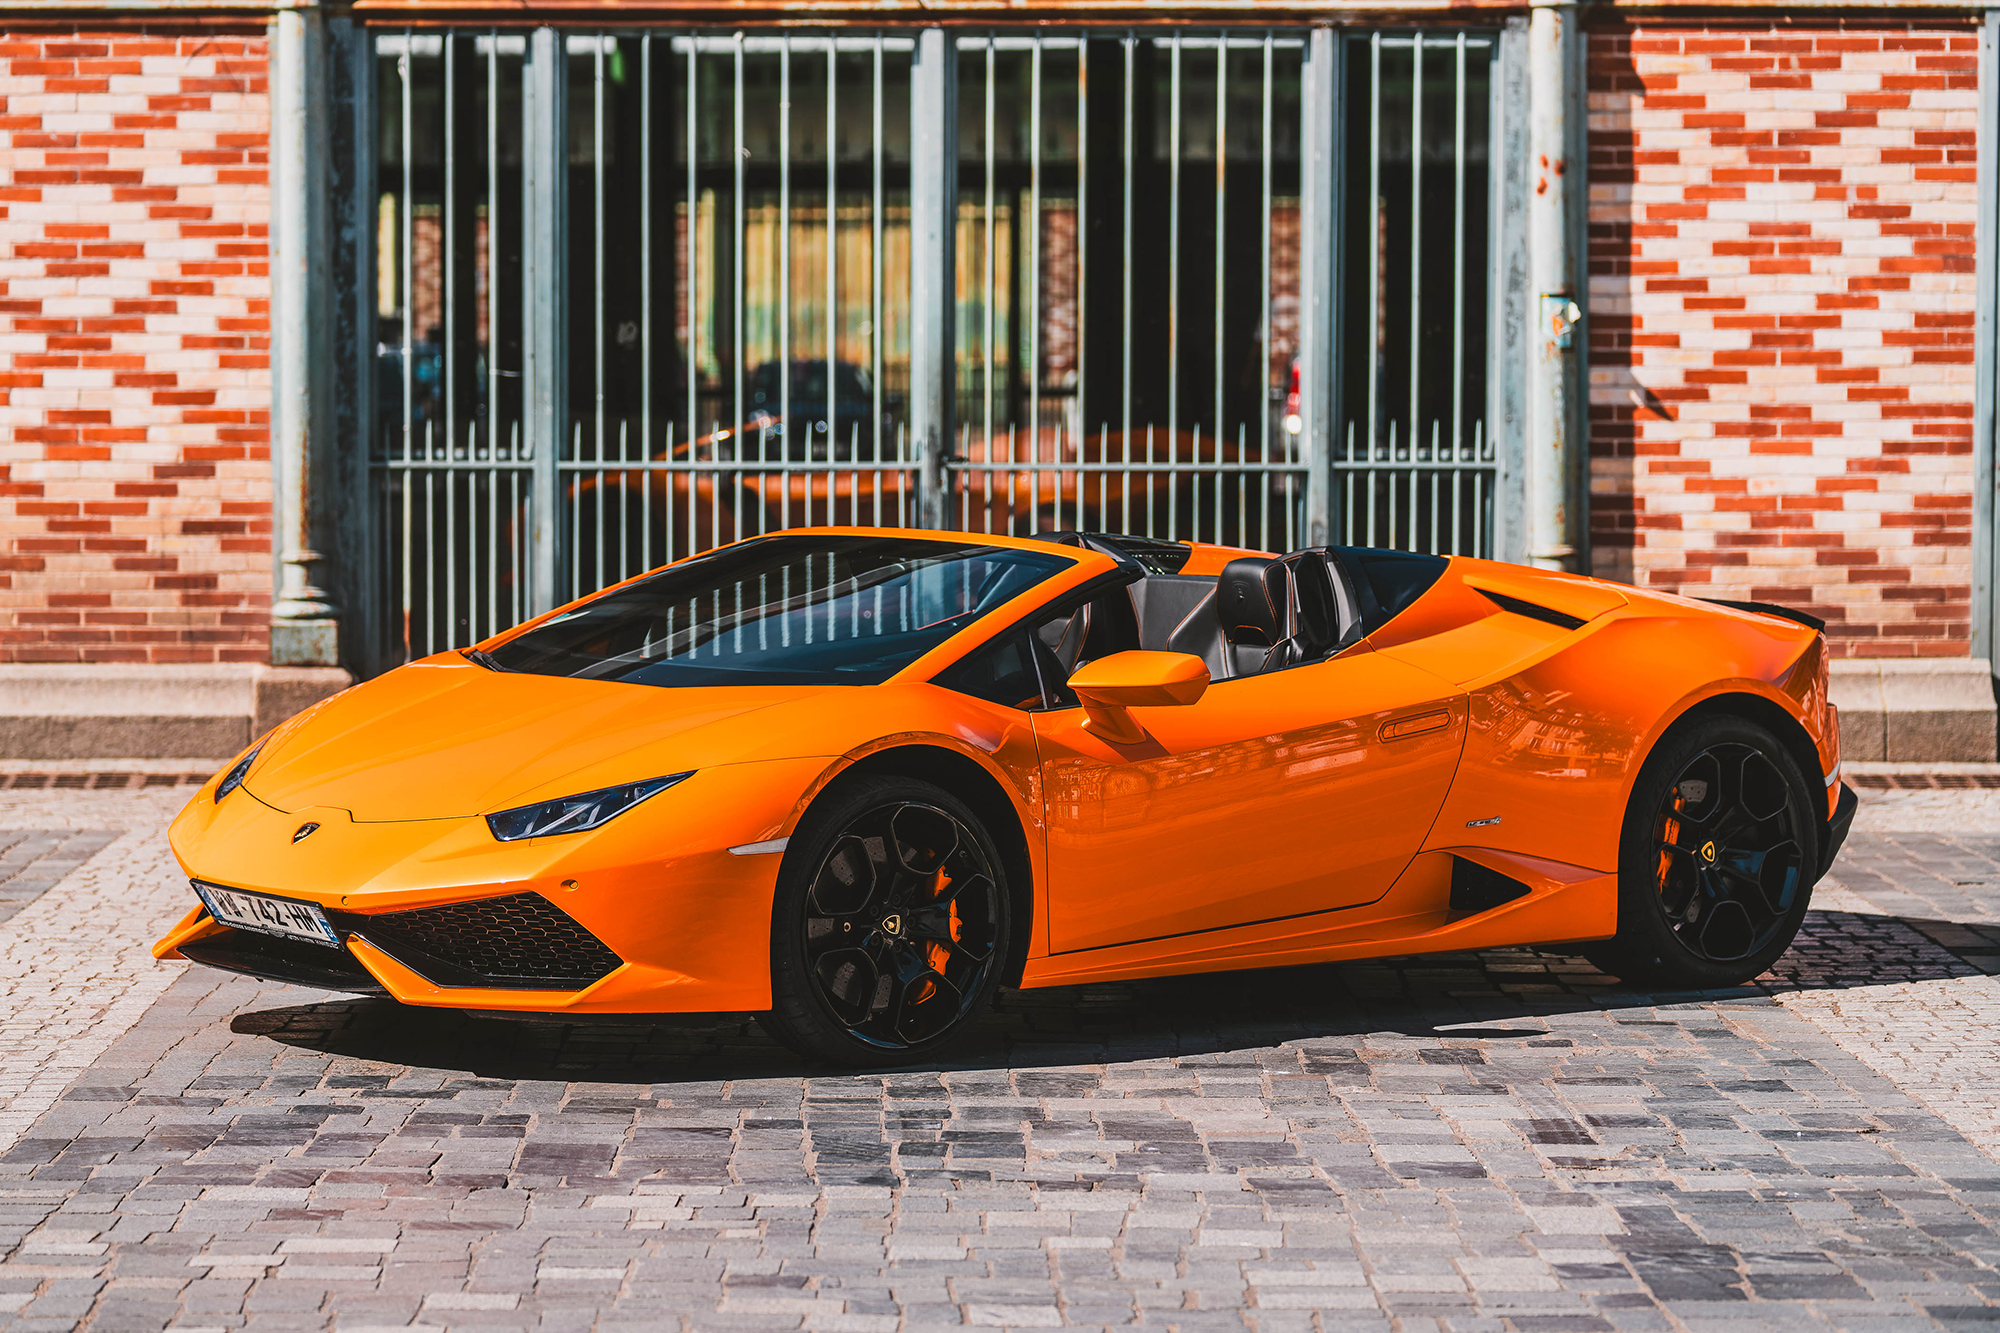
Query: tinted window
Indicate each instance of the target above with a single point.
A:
(781, 611)
(1003, 672)
(1387, 582)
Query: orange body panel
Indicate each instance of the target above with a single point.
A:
(1301, 815)
(1271, 796)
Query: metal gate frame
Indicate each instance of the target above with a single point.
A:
(930, 458)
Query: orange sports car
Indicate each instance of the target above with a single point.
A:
(855, 780)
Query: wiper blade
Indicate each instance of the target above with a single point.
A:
(485, 659)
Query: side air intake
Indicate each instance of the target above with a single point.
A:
(1474, 888)
(1547, 615)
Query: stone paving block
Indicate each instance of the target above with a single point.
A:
(1503, 1141)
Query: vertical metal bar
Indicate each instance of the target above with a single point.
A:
(875, 283)
(1416, 237)
(832, 269)
(1034, 225)
(1457, 255)
(646, 310)
(933, 218)
(1125, 289)
(597, 282)
(492, 336)
(449, 380)
(492, 330)
(430, 546)
(788, 428)
(544, 376)
(491, 477)
(1436, 479)
(691, 275)
(1221, 217)
(1319, 143)
(736, 424)
(405, 263)
(1264, 280)
(446, 376)
(1478, 511)
(405, 235)
(1374, 225)
(1174, 265)
(576, 552)
(1457, 512)
(1079, 398)
(987, 291)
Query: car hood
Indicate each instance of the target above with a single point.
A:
(443, 738)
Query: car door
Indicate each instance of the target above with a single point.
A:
(1275, 795)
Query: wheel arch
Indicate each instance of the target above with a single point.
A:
(1773, 717)
(968, 780)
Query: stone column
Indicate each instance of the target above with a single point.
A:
(933, 233)
(1555, 447)
(305, 628)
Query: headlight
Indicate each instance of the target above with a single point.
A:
(574, 814)
(234, 777)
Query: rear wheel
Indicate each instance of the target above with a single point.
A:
(1717, 860)
(890, 925)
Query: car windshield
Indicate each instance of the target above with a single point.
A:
(806, 610)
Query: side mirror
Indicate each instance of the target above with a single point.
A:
(1111, 685)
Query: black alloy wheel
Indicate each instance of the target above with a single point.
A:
(1718, 858)
(890, 930)
(1732, 856)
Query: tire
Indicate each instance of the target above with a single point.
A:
(877, 958)
(1717, 859)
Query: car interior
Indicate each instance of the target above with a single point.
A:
(1261, 614)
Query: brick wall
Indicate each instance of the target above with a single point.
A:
(134, 387)
(1781, 253)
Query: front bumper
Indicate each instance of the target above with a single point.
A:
(649, 914)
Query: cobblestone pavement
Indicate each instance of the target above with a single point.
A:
(1500, 1141)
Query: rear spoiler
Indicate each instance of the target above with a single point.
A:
(1813, 623)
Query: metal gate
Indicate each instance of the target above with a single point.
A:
(640, 293)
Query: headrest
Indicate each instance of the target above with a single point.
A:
(1252, 598)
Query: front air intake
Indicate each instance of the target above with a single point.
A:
(520, 942)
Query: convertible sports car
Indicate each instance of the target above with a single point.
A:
(856, 780)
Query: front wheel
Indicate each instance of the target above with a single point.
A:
(890, 927)
(1717, 860)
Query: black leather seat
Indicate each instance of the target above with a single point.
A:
(1253, 602)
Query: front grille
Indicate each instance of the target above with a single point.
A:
(520, 942)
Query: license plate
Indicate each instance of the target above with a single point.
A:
(270, 916)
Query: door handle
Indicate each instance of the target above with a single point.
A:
(1417, 724)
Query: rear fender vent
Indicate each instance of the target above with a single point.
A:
(1474, 888)
(1548, 615)
(520, 942)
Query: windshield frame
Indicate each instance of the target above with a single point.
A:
(1075, 566)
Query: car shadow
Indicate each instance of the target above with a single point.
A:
(1494, 995)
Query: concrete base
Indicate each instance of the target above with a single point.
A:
(150, 712)
(305, 642)
(1916, 709)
